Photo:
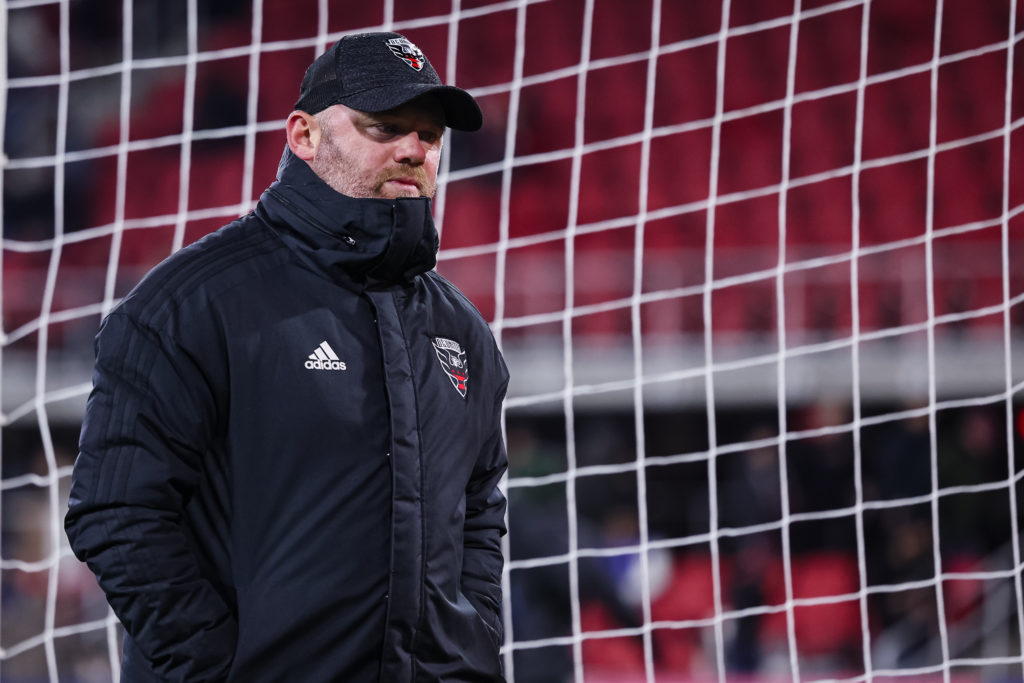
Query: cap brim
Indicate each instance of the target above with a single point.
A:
(461, 111)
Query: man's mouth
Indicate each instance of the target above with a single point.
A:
(399, 184)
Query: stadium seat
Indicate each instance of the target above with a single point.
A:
(821, 628)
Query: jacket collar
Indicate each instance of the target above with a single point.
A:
(357, 241)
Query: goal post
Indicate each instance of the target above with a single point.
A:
(755, 267)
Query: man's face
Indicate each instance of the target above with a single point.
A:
(388, 154)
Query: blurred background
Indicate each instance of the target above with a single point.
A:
(755, 266)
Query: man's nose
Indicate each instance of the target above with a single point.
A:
(409, 149)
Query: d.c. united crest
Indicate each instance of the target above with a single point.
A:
(407, 52)
(453, 361)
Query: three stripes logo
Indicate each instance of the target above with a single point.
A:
(324, 358)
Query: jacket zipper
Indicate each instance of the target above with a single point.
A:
(346, 238)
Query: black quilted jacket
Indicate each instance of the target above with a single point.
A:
(289, 465)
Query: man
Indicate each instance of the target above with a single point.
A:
(289, 464)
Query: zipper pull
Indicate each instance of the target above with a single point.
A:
(350, 241)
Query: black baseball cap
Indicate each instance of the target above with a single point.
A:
(374, 72)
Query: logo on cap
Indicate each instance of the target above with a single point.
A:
(407, 52)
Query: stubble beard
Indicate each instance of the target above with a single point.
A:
(339, 171)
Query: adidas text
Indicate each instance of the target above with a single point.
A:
(325, 365)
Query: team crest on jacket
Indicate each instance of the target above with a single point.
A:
(453, 361)
(407, 52)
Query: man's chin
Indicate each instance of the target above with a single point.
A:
(392, 189)
(399, 191)
(400, 194)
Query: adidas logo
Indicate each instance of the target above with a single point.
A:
(324, 358)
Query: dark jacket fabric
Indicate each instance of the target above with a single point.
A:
(289, 463)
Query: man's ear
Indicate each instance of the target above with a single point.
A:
(303, 132)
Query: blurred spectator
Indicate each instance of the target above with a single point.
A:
(904, 460)
(821, 477)
(973, 451)
(751, 493)
(541, 595)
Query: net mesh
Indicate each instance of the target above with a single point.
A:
(755, 267)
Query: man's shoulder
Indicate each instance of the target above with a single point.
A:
(445, 288)
(228, 257)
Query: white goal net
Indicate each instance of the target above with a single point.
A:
(757, 268)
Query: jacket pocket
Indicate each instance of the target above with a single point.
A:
(485, 619)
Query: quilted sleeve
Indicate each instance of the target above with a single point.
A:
(149, 421)
(485, 525)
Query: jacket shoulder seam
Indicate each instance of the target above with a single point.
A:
(173, 282)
